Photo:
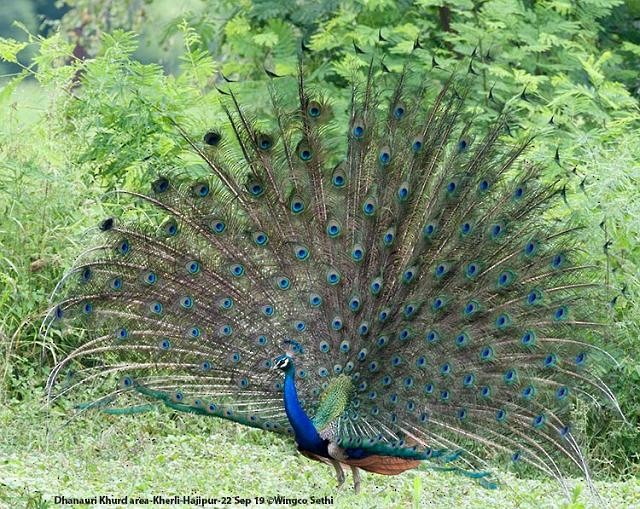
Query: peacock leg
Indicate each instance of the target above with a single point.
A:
(339, 472)
(356, 479)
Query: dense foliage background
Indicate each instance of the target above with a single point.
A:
(88, 85)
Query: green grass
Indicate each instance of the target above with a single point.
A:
(164, 453)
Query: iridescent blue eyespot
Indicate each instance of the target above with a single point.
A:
(465, 228)
(323, 372)
(165, 344)
(505, 279)
(428, 230)
(539, 421)
(218, 226)
(262, 340)
(336, 323)
(510, 377)
(333, 228)
(315, 300)
(483, 185)
(534, 297)
(382, 340)
(471, 308)
(122, 333)
(362, 354)
(485, 392)
(471, 270)
(384, 314)
(369, 207)
(354, 304)
(550, 360)
(416, 146)
(124, 247)
(403, 191)
(260, 238)
(558, 261)
(338, 180)
(226, 303)
(388, 237)
(205, 366)
(451, 187)
(396, 360)
(87, 309)
(561, 313)
(305, 154)
(562, 393)
(301, 252)
(409, 274)
(468, 380)
(226, 330)
(357, 253)
(333, 277)
(324, 346)
(486, 354)
(384, 156)
(297, 205)
(496, 231)
(445, 369)
(116, 283)
(376, 286)
(528, 338)
(237, 270)
(386, 380)
(501, 415)
(194, 332)
(256, 189)
(530, 248)
(283, 283)
(410, 310)
(437, 304)
(503, 321)
(421, 361)
(200, 190)
(528, 392)
(186, 302)
(86, 274)
(267, 310)
(462, 414)
(358, 131)
(160, 185)
(518, 192)
(444, 395)
(265, 142)
(398, 112)
(429, 388)
(314, 109)
(462, 339)
(150, 278)
(581, 359)
(193, 267)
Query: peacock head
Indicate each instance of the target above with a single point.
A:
(283, 362)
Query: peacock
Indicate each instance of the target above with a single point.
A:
(382, 284)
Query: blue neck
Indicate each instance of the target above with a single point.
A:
(306, 435)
